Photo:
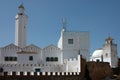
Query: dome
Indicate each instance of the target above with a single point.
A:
(97, 53)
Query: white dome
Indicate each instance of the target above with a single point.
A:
(97, 53)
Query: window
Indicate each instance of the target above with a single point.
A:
(10, 58)
(47, 59)
(70, 41)
(37, 70)
(56, 58)
(14, 58)
(52, 59)
(30, 58)
(6, 58)
(106, 54)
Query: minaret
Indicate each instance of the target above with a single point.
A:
(21, 27)
(109, 40)
(110, 52)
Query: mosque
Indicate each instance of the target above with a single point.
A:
(108, 53)
(65, 57)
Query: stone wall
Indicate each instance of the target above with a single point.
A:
(98, 70)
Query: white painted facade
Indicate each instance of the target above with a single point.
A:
(108, 53)
(52, 51)
(64, 58)
(74, 43)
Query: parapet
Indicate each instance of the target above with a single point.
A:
(70, 59)
(39, 73)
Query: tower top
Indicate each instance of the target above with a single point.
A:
(21, 8)
(109, 40)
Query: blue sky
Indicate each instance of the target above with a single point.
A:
(100, 17)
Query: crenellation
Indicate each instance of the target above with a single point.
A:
(43, 73)
(32, 73)
(56, 73)
(62, 73)
(25, 73)
(10, 73)
(70, 59)
(18, 73)
(39, 73)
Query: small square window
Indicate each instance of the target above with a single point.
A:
(31, 58)
(14, 58)
(70, 41)
(6, 58)
(56, 58)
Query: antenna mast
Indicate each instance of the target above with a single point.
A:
(64, 23)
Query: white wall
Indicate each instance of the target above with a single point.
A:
(9, 51)
(39, 59)
(52, 51)
(23, 58)
(80, 43)
(73, 65)
(114, 56)
(36, 49)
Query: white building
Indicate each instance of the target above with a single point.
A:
(74, 43)
(108, 53)
(31, 58)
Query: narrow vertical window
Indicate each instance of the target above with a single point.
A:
(11, 58)
(52, 59)
(106, 54)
